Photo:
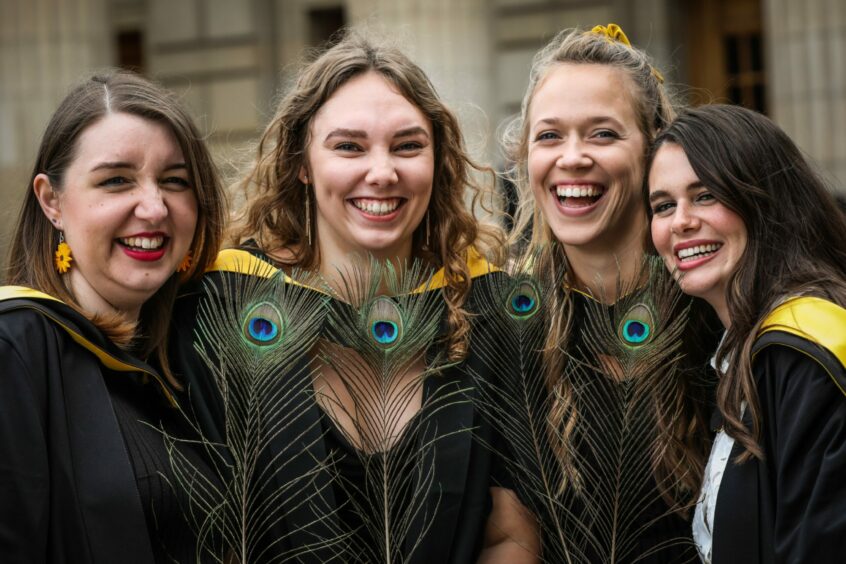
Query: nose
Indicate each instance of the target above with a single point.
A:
(573, 155)
(150, 206)
(684, 219)
(382, 171)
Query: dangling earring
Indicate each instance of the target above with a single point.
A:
(428, 242)
(185, 264)
(308, 215)
(62, 257)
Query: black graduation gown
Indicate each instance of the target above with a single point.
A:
(666, 537)
(460, 500)
(67, 487)
(791, 507)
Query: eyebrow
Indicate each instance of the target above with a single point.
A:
(657, 194)
(114, 165)
(361, 134)
(591, 121)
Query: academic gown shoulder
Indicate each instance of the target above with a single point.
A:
(791, 507)
(460, 502)
(67, 488)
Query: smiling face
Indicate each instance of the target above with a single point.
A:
(371, 161)
(697, 236)
(585, 157)
(127, 211)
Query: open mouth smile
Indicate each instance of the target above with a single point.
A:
(697, 252)
(144, 247)
(577, 199)
(378, 207)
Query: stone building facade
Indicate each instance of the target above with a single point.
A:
(230, 58)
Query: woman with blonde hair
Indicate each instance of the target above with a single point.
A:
(123, 204)
(364, 161)
(621, 410)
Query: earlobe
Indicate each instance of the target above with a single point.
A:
(303, 175)
(48, 199)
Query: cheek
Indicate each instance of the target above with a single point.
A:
(661, 236)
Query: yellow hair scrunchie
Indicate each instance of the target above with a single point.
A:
(613, 32)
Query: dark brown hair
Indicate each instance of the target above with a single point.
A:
(275, 215)
(796, 236)
(35, 239)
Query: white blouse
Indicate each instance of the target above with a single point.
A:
(703, 517)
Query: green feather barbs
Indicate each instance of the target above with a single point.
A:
(263, 325)
(637, 328)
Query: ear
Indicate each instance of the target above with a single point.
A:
(48, 199)
(303, 175)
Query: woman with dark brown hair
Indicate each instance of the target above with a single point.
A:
(364, 161)
(742, 220)
(123, 204)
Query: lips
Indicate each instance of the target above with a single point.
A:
(576, 199)
(377, 207)
(144, 246)
(691, 254)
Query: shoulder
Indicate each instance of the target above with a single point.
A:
(805, 331)
(27, 314)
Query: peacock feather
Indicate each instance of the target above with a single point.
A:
(580, 447)
(379, 354)
(255, 334)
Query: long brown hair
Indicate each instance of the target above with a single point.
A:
(796, 236)
(275, 214)
(679, 454)
(35, 239)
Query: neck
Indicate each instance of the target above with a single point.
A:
(337, 265)
(599, 270)
(92, 302)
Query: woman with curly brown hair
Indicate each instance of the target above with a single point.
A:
(744, 222)
(363, 170)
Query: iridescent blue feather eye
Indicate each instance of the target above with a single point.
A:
(263, 325)
(384, 323)
(523, 300)
(637, 327)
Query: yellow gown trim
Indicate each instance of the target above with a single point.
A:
(813, 319)
(243, 262)
(108, 360)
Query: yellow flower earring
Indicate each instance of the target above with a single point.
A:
(185, 264)
(63, 256)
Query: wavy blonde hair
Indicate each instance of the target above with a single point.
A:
(275, 216)
(678, 457)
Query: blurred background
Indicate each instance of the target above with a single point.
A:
(229, 59)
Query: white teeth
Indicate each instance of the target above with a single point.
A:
(377, 207)
(583, 191)
(698, 251)
(146, 243)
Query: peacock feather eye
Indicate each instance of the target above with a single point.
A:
(637, 327)
(263, 325)
(523, 300)
(384, 323)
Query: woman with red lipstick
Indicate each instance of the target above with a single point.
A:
(122, 196)
(363, 159)
(742, 220)
(593, 105)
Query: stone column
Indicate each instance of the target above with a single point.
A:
(45, 47)
(806, 45)
(452, 40)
